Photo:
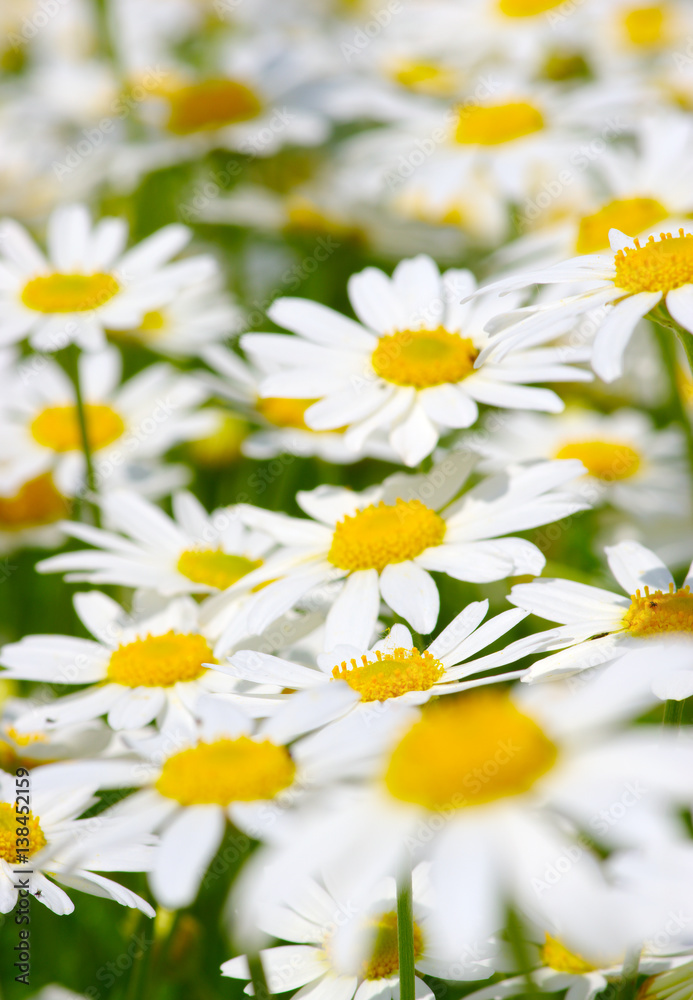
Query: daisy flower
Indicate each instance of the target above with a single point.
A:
(310, 961)
(385, 541)
(129, 425)
(197, 315)
(630, 464)
(20, 747)
(598, 626)
(490, 786)
(88, 282)
(197, 781)
(192, 552)
(394, 668)
(408, 367)
(69, 850)
(282, 424)
(622, 287)
(139, 670)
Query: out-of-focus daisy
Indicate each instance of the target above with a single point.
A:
(629, 464)
(88, 282)
(409, 369)
(31, 747)
(138, 669)
(491, 786)
(61, 846)
(630, 282)
(283, 428)
(393, 668)
(196, 316)
(385, 541)
(197, 781)
(129, 424)
(599, 626)
(309, 921)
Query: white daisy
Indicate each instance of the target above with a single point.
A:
(410, 368)
(393, 668)
(282, 425)
(198, 315)
(385, 541)
(491, 786)
(598, 626)
(197, 781)
(621, 288)
(192, 552)
(130, 425)
(20, 747)
(139, 670)
(629, 463)
(60, 845)
(88, 282)
(311, 962)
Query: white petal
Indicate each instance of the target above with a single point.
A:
(615, 332)
(323, 325)
(636, 567)
(411, 592)
(353, 616)
(187, 847)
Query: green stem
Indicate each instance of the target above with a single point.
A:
(70, 363)
(136, 981)
(518, 944)
(668, 350)
(673, 712)
(629, 975)
(405, 937)
(257, 977)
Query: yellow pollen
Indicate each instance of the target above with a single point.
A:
(384, 960)
(160, 660)
(213, 104)
(36, 503)
(69, 293)
(25, 739)
(493, 124)
(647, 26)
(215, 568)
(469, 750)
(381, 534)
(392, 675)
(628, 215)
(527, 8)
(657, 266)
(423, 358)
(557, 957)
(227, 771)
(655, 612)
(223, 445)
(12, 825)
(607, 460)
(57, 427)
(285, 412)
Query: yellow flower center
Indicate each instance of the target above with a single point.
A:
(227, 771)
(656, 266)
(384, 960)
(37, 502)
(392, 675)
(215, 568)
(381, 534)
(657, 612)
(423, 358)
(223, 445)
(647, 26)
(608, 460)
(560, 66)
(160, 660)
(557, 957)
(213, 104)
(628, 215)
(426, 77)
(57, 427)
(69, 293)
(493, 124)
(527, 8)
(285, 412)
(12, 826)
(468, 751)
